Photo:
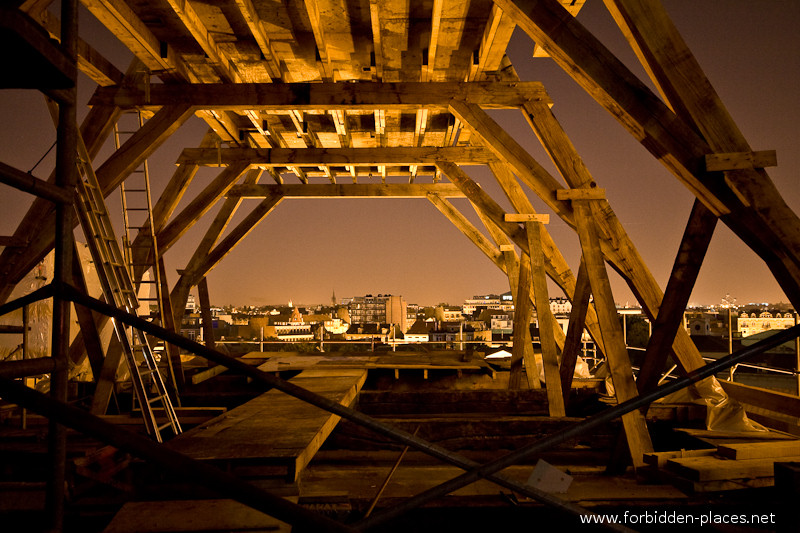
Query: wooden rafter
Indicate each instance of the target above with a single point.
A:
(366, 96)
(280, 157)
(348, 190)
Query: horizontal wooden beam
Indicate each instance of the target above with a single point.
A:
(520, 217)
(279, 157)
(328, 190)
(741, 160)
(325, 96)
(581, 194)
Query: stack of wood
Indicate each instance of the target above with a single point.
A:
(726, 467)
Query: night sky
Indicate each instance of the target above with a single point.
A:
(306, 249)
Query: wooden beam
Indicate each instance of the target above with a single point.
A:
(522, 322)
(527, 217)
(227, 244)
(616, 352)
(512, 269)
(747, 200)
(494, 41)
(256, 25)
(140, 146)
(615, 243)
(575, 327)
(199, 206)
(280, 157)
(123, 22)
(348, 190)
(212, 235)
(617, 89)
(508, 150)
(205, 313)
(686, 268)
(468, 229)
(197, 29)
(324, 96)
(741, 160)
(547, 322)
(377, 41)
(591, 193)
(26, 182)
(686, 87)
(90, 61)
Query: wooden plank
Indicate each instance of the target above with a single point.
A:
(659, 459)
(279, 157)
(741, 160)
(531, 217)
(760, 450)
(581, 194)
(191, 516)
(778, 402)
(274, 428)
(713, 468)
(324, 96)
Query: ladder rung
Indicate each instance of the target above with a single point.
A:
(135, 190)
(154, 399)
(136, 209)
(164, 425)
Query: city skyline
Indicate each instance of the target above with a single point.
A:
(304, 249)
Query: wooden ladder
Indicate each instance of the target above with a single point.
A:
(118, 290)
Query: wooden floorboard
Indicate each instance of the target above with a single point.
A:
(274, 428)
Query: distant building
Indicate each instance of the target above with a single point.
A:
(380, 309)
(560, 306)
(191, 304)
(750, 324)
(491, 302)
(418, 332)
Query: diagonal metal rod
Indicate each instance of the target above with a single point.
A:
(145, 448)
(323, 403)
(577, 429)
(42, 293)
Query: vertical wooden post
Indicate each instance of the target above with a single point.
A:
(617, 358)
(205, 312)
(522, 341)
(547, 322)
(66, 177)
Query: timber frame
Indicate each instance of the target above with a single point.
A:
(318, 96)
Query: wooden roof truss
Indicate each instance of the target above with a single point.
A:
(330, 97)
